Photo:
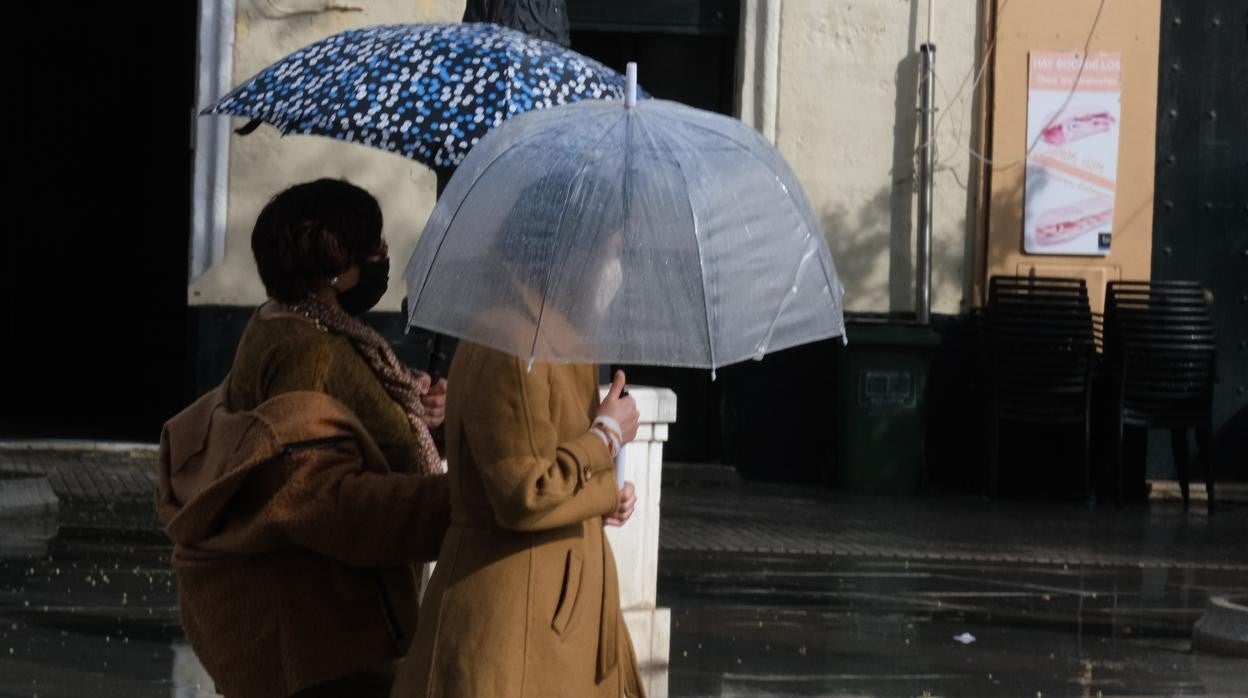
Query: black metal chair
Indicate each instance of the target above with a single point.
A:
(1160, 359)
(1040, 356)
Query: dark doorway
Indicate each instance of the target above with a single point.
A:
(685, 52)
(1200, 219)
(95, 247)
(693, 70)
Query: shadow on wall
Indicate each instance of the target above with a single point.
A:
(901, 226)
(875, 245)
(876, 242)
(970, 268)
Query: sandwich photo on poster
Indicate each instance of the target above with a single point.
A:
(1074, 107)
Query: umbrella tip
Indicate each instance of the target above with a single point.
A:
(630, 85)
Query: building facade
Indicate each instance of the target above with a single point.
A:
(834, 84)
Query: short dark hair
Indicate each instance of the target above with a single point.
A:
(527, 241)
(312, 232)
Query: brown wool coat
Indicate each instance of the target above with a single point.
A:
(293, 542)
(524, 602)
(280, 352)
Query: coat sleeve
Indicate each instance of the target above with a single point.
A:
(533, 480)
(360, 517)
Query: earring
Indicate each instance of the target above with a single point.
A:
(333, 282)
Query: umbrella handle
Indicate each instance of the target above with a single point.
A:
(436, 359)
(248, 127)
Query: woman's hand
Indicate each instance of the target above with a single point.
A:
(435, 404)
(622, 409)
(628, 502)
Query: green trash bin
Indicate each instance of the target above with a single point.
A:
(881, 410)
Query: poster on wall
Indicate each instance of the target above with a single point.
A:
(1074, 108)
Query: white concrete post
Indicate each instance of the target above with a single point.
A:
(636, 544)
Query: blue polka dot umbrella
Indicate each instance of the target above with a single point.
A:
(425, 91)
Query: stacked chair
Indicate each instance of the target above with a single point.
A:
(1160, 358)
(1040, 356)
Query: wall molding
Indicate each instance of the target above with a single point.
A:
(210, 196)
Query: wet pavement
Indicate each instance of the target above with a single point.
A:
(774, 591)
(750, 625)
(90, 611)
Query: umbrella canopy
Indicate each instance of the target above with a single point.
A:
(646, 234)
(425, 91)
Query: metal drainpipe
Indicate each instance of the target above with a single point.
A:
(923, 266)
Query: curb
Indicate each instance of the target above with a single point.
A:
(1223, 629)
(76, 445)
(1168, 490)
(26, 495)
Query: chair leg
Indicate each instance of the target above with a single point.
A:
(994, 438)
(1118, 465)
(1204, 445)
(1088, 488)
(1178, 446)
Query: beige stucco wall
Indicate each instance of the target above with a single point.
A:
(846, 92)
(264, 163)
(836, 84)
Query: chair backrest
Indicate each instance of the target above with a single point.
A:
(1040, 346)
(1160, 345)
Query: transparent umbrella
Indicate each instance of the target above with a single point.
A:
(625, 232)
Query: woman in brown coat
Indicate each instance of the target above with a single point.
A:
(293, 546)
(320, 253)
(524, 602)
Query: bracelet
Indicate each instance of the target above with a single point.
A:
(608, 436)
(612, 427)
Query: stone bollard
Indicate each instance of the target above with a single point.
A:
(636, 544)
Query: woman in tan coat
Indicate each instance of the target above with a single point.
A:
(524, 602)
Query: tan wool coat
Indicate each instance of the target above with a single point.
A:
(524, 602)
(293, 545)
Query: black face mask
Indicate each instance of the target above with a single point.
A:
(374, 278)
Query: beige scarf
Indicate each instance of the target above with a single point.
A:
(404, 385)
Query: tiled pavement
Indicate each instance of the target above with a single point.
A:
(100, 487)
(86, 474)
(715, 513)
